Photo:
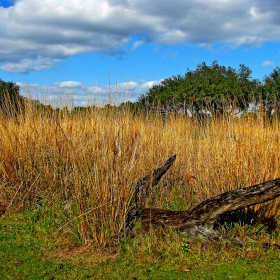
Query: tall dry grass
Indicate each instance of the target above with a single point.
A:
(88, 164)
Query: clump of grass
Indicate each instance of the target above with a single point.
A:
(88, 164)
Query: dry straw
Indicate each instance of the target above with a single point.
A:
(89, 163)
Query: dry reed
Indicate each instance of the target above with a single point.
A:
(88, 164)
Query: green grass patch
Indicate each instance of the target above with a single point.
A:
(30, 250)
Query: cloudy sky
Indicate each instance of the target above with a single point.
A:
(117, 49)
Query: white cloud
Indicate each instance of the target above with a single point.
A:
(95, 90)
(137, 44)
(172, 37)
(26, 65)
(69, 84)
(35, 35)
(62, 94)
(268, 63)
(147, 85)
(127, 86)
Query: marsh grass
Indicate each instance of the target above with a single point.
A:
(87, 165)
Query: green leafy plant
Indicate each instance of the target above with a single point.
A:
(185, 245)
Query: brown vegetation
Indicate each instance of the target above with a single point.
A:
(88, 165)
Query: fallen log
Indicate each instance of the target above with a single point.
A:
(200, 219)
(203, 216)
(143, 190)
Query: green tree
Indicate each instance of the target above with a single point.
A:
(167, 94)
(269, 92)
(11, 103)
(212, 88)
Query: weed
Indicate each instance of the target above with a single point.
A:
(185, 245)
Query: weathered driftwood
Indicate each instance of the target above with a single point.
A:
(201, 218)
(144, 186)
(143, 190)
(205, 214)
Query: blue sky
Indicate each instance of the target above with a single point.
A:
(77, 48)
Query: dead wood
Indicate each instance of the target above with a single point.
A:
(144, 188)
(201, 218)
(205, 214)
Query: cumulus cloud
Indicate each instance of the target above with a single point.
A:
(137, 44)
(268, 63)
(26, 65)
(73, 93)
(36, 34)
(147, 85)
(69, 84)
(127, 86)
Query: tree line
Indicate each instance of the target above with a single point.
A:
(216, 89)
(213, 89)
(11, 103)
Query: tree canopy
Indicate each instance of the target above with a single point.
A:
(269, 92)
(213, 88)
(11, 103)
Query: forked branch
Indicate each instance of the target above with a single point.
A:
(206, 214)
(202, 217)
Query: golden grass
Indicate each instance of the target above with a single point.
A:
(89, 164)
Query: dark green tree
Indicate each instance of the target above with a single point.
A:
(214, 88)
(167, 94)
(269, 93)
(11, 103)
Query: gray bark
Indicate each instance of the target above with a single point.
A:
(201, 218)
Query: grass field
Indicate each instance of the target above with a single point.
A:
(28, 251)
(66, 182)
